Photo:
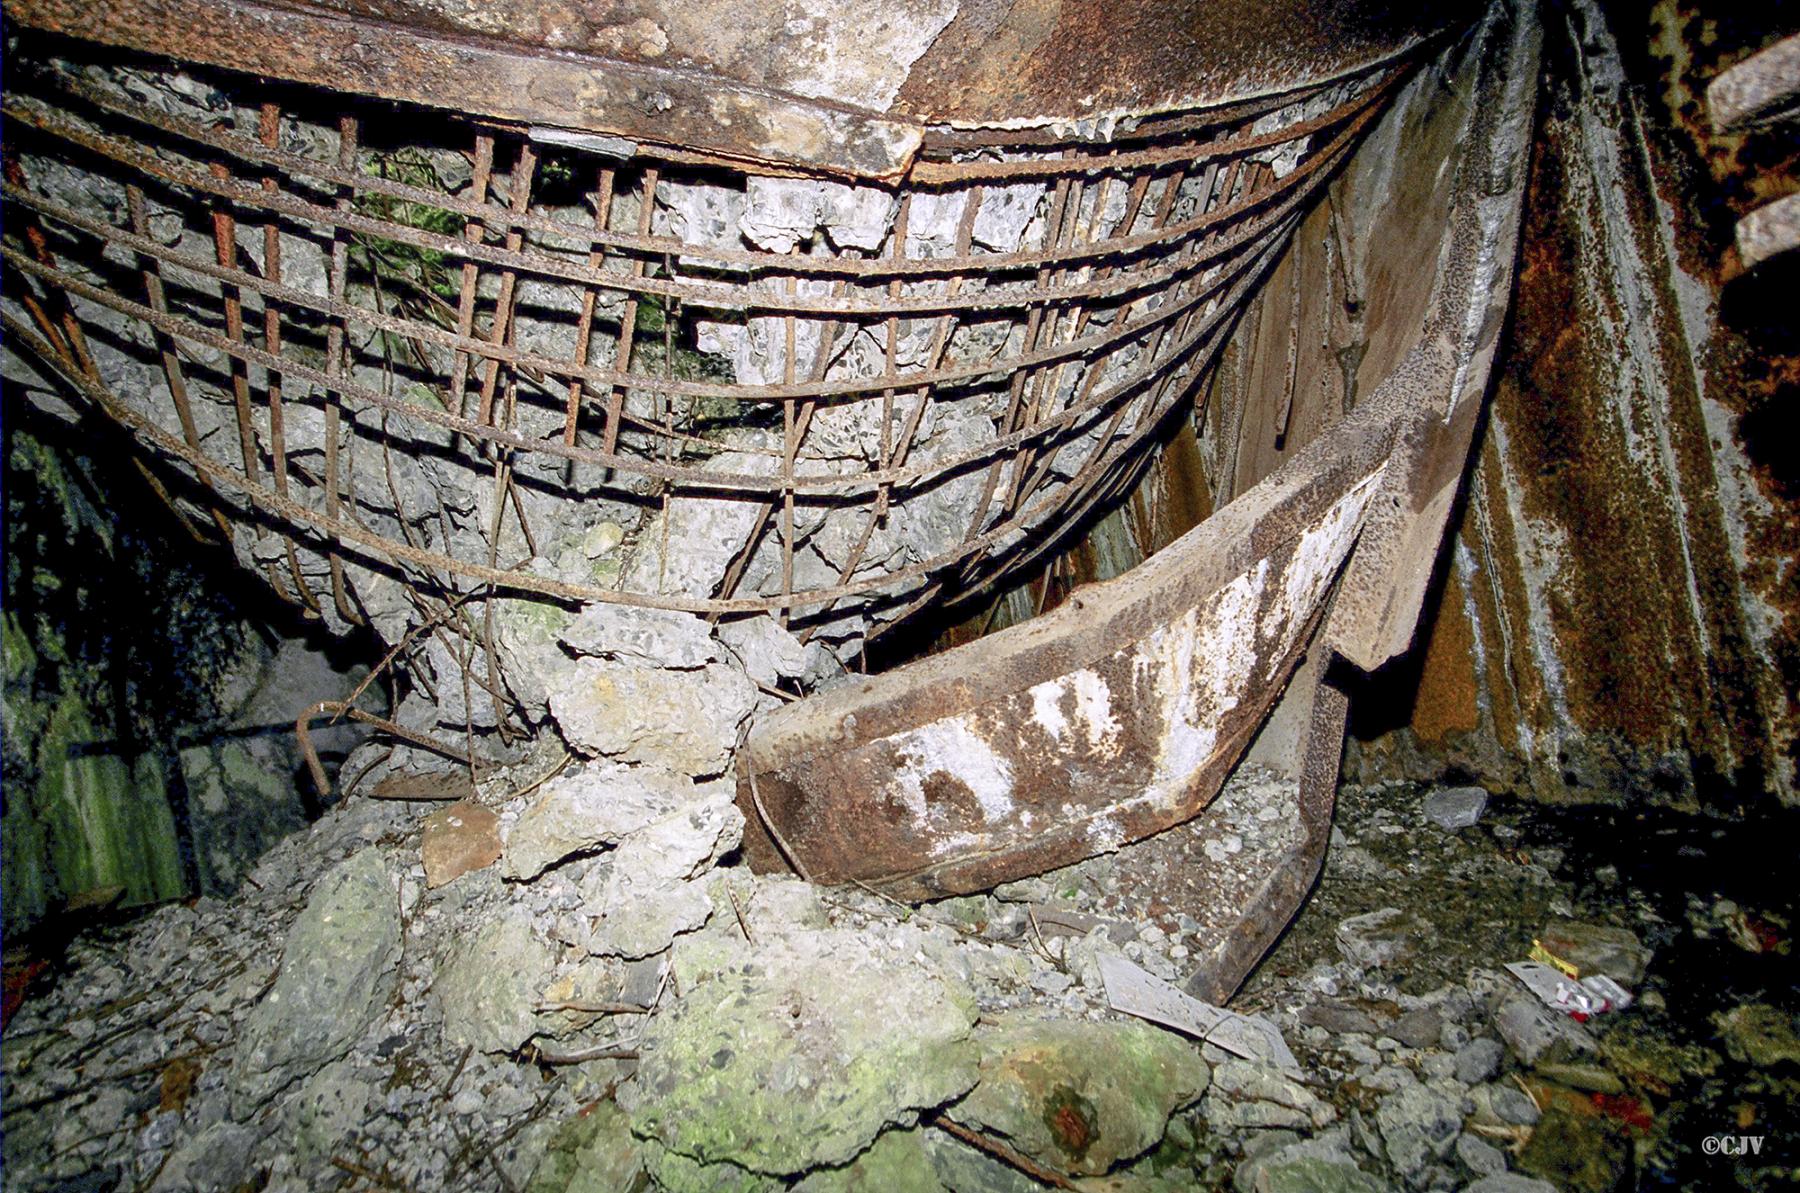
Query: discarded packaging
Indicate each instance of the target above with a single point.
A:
(1135, 992)
(1581, 998)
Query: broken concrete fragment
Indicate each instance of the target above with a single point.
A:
(1456, 808)
(685, 720)
(642, 920)
(1534, 1032)
(800, 1060)
(1418, 1124)
(663, 637)
(767, 651)
(1248, 1094)
(490, 987)
(648, 899)
(328, 1110)
(462, 837)
(337, 972)
(676, 1173)
(1081, 1096)
(583, 810)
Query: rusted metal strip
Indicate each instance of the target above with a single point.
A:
(1248, 237)
(129, 153)
(674, 106)
(846, 485)
(269, 132)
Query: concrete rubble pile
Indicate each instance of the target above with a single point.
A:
(568, 981)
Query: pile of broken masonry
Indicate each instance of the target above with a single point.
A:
(567, 981)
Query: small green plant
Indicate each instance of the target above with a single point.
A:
(388, 261)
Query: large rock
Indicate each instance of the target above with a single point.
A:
(337, 973)
(1535, 1032)
(799, 1059)
(329, 1109)
(1597, 948)
(684, 720)
(1080, 1096)
(490, 987)
(1321, 1165)
(599, 805)
(1248, 1095)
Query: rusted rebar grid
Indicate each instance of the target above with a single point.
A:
(420, 361)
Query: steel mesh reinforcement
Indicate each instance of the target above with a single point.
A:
(398, 358)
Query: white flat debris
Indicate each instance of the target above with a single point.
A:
(1133, 991)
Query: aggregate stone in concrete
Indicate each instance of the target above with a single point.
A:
(328, 1109)
(492, 983)
(337, 972)
(1081, 1096)
(593, 1152)
(1454, 808)
(798, 1059)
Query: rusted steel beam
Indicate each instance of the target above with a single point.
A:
(850, 90)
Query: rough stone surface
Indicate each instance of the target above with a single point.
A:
(598, 805)
(1597, 948)
(492, 983)
(594, 1152)
(1478, 1060)
(337, 971)
(685, 720)
(897, 1162)
(1510, 1182)
(1535, 1032)
(1081, 1097)
(799, 1062)
(462, 837)
(1456, 808)
(1418, 1125)
(1479, 1156)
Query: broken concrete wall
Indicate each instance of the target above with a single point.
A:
(1615, 614)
